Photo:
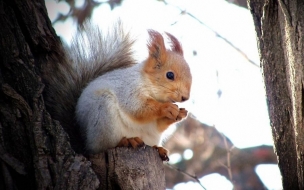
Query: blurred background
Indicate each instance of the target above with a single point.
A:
(226, 142)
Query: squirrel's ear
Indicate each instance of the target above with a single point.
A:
(156, 46)
(175, 44)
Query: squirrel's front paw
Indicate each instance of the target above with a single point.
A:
(170, 111)
(182, 114)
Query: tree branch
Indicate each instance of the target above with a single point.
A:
(187, 174)
(215, 32)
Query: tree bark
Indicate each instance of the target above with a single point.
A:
(279, 27)
(35, 152)
(38, 147)
(128, 168)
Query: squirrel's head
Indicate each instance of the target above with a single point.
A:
(167, 69)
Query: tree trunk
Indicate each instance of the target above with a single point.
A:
(35, 152)
(128, 168)
(279, 26)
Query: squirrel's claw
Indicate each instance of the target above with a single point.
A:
(163, 153)
(135, 142)
(182, 114)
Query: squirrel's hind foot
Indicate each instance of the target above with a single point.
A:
(163, 153)
(135, 142)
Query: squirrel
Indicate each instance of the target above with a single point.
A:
(113, 99)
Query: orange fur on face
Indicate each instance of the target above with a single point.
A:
(164, 91)
(158, 64)
(169, 90)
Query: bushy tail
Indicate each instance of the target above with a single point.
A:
(92, 53)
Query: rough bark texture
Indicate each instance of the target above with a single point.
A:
(241, 3)
(128, 168)
(279, 27)
(35, 152)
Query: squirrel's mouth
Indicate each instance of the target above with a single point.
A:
(170, 100)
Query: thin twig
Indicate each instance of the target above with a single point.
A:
(228, 158)
(228, 166)
(187, 174)
(215, 32)
(222, 164)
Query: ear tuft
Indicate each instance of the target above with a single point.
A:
(175, 44)
(156, 45)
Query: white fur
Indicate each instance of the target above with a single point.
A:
(103, 109)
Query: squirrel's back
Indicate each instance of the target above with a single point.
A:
(91, 54)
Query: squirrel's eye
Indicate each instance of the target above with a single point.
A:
(170, 75)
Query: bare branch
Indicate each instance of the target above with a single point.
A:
(228, 157)
(187, 174)
(216, 33)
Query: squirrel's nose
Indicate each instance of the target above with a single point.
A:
(184, 98)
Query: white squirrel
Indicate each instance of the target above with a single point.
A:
(119, 102)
